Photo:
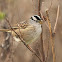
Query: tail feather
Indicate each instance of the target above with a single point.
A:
(8, 30)
(5, 30)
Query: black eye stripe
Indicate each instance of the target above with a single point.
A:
(37, 18)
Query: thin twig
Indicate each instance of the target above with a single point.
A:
(44, 18)
(39, 1)
(24, 42)
(47, 52)
(56, 19)
(51, 37)
(43, 54)
(50, 5)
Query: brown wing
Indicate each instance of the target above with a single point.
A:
(23, 24)
(27, 34)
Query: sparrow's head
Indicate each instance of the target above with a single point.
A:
(36, 19)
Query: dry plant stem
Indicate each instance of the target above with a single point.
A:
(51, 37)
(24, 42)
(47, 52)
(50, 5)
(42, 52)
(56, 19)
(39, 1)
(44, 20)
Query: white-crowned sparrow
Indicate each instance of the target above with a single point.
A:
(28, 31)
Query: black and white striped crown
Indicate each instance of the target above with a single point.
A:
(36, 17)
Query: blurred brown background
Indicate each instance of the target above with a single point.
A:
(22, 10)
